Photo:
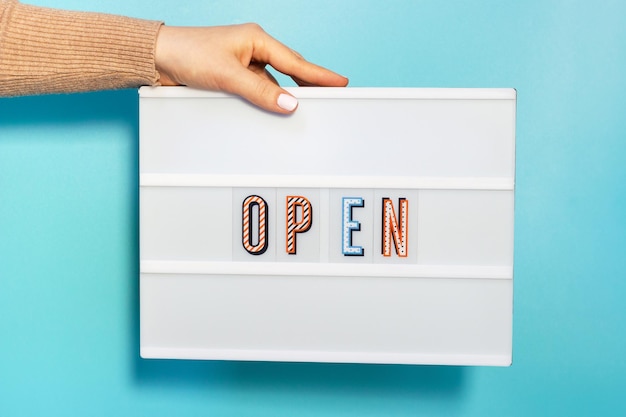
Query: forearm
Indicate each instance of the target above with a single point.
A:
(53, 51)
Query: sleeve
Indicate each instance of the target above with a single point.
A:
(46, 51)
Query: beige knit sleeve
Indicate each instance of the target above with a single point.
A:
(53, 51)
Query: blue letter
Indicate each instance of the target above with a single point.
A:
(350, 225)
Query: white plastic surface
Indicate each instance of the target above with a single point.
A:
(449, 153)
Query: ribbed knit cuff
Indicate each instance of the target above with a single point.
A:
(46, 50)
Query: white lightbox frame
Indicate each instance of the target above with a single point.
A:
(449, 152)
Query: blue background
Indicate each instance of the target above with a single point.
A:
(68, 221)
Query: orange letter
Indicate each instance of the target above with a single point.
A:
(391, 229)
(251, 202)
(294, 226)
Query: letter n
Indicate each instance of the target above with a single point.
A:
(395, 229)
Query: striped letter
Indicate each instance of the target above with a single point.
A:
(391, 230)
(350, 225)
(251, 204)
(293, 224)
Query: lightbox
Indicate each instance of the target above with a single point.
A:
(374, 225)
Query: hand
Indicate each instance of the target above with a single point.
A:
(233, 59)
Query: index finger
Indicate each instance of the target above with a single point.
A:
(291, 63)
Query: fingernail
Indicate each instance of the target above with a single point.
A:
(287, 102)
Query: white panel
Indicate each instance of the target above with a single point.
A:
(442, 294)
(465, 227)
(327, 318)
(337, 135)
(185, 223)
